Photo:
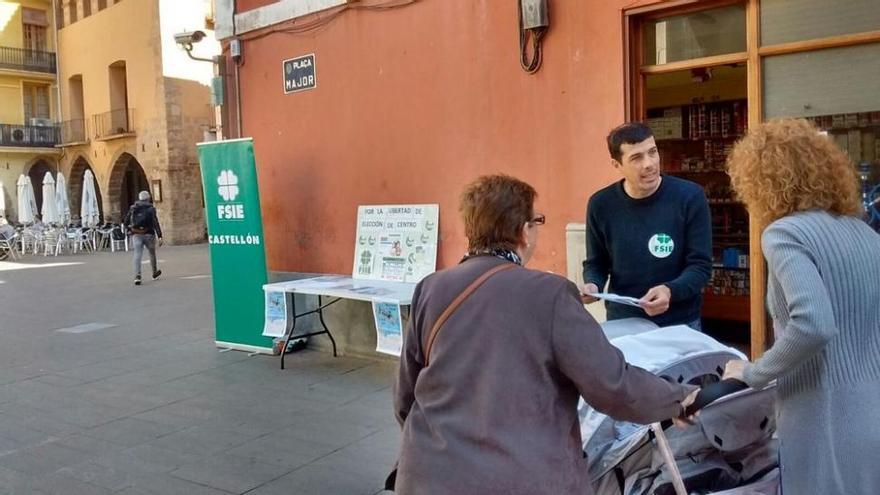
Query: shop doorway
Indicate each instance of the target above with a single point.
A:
(690, 85)
(816, 62)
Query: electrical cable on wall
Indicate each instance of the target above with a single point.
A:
(323, 18)
(533, 25)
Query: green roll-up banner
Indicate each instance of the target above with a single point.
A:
(235, 237)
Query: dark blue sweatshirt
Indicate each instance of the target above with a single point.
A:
(664, 239)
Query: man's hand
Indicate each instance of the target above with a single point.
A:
(683, 421)
(159, 242)
(586, 290)
(734, 369)
(656, 300)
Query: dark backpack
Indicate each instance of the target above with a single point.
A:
(141, 219)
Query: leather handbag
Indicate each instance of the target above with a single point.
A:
(456, 303)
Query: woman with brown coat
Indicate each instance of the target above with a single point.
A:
(487, 398)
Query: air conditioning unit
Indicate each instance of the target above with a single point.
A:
(36, 121)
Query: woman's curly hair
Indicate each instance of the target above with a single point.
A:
(786, 165)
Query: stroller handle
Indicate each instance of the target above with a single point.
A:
(711, 393)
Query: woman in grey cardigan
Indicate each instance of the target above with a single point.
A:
(487, 400)
(823, 294)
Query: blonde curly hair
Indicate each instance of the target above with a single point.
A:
(785, 166)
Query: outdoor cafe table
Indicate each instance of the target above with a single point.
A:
(339, 287)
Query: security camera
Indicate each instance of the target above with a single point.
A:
(187, 38)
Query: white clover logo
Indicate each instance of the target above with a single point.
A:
(228, 183)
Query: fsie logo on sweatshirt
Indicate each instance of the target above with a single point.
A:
(661, 245)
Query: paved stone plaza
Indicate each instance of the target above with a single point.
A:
(110, 388)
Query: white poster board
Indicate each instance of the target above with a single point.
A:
(276, 314)
(389, 327)
(396, 243)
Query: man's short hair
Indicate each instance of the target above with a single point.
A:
(629, 133)
(144, 196)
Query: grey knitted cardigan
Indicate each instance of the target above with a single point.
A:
(823, 294)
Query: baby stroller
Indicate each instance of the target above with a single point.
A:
(729, 450)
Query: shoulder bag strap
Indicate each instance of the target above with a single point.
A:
(456, 302)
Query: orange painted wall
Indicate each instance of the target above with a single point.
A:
(414, 103)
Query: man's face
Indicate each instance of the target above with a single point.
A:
(640, 167)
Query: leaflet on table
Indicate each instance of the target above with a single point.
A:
(626, 300)
(276, 315)
(323, 282)
(389, 327)
(367, 290)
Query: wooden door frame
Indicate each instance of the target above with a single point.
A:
(753, 57)
(636, 110)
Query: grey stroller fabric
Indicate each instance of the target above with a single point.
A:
(708, 471)
(766, 485)
(730, 445)
(739, 420)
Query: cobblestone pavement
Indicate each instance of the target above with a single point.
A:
(110, 388)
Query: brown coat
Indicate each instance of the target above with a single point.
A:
(495, 412)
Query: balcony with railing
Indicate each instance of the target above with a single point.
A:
(27, 60)
(73, 131)
(29, 136)
(113, 124)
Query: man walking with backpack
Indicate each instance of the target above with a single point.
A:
(141, 219)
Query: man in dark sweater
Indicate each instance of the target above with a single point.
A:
(651, 234)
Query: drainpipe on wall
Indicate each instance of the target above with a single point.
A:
(236, 61)
(58, 79)
(237, 99)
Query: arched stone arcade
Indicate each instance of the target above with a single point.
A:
(75, 187)
(127, 179)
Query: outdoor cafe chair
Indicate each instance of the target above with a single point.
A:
(118, 238)
(79, 239)
(53, 240)
(31, 240)
(8, 246)
(103, 235)
(109, 236)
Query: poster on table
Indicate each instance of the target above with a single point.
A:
(276, 315)
(397, 243)
(389, 327)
